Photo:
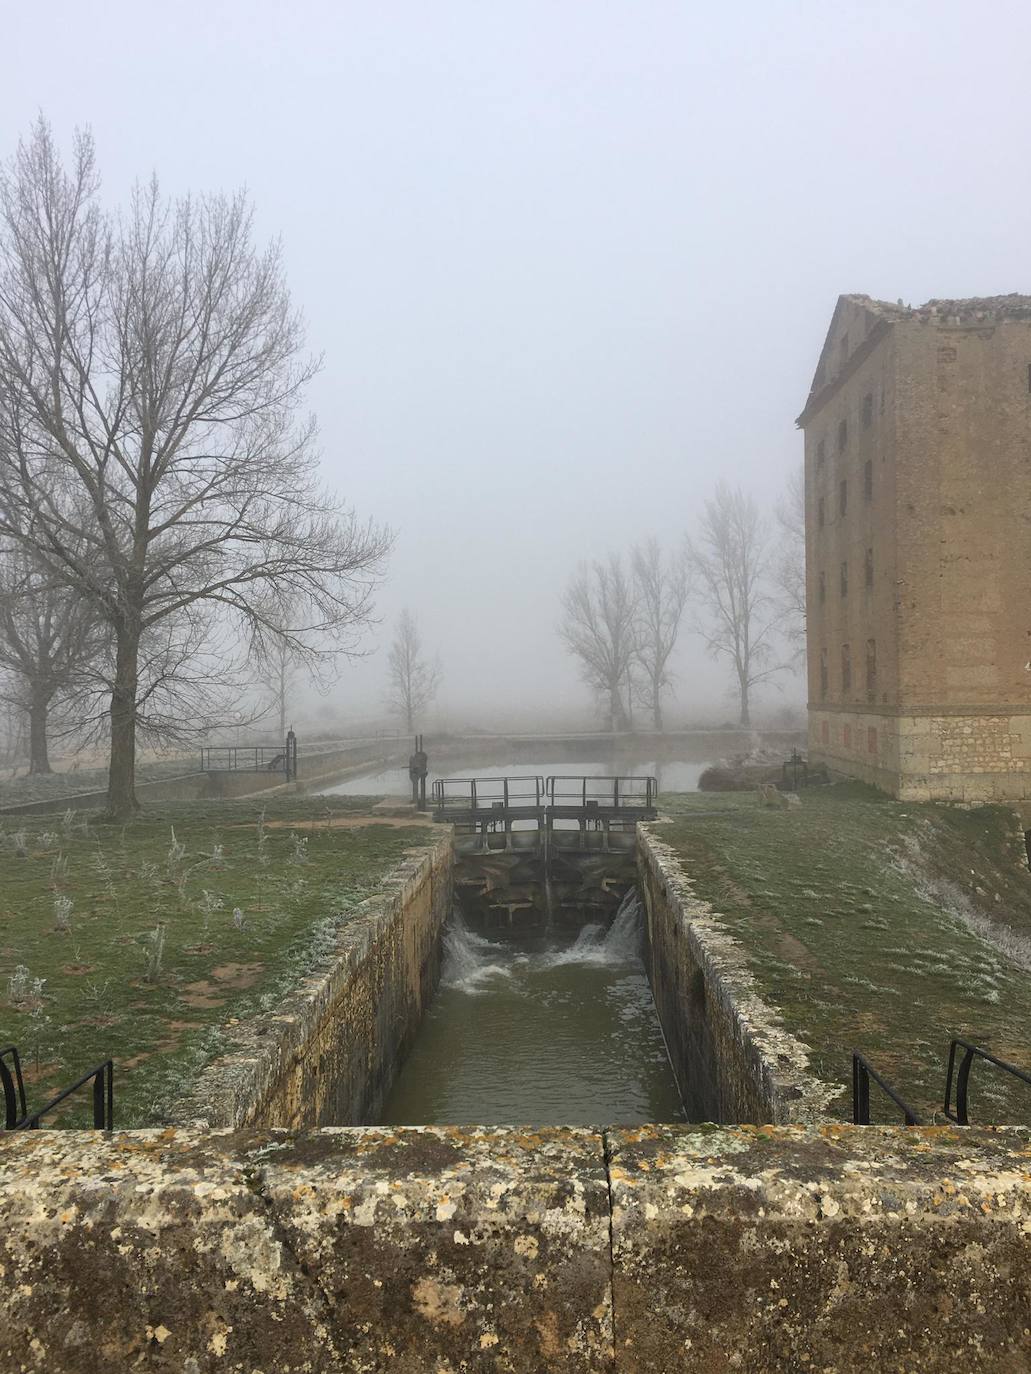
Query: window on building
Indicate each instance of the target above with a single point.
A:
(868, 479)
(821, 513)
(821, 453)
(871, 739)
(846, 668)
(825, 735)
(843, 498)
(846, 736)
(868, 568)
(842, 436)
(824, 683)
(868, 410)
(844, 579)
(823, 587)
(871, 670)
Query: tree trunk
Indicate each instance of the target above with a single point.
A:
(657, 706)
(745, 718)
(39, 759)
(617, 716)
(121, 780)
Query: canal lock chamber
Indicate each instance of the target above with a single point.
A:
(543, 1014)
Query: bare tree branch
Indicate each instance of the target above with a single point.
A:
(151, 451)
(599, 619)
(661, 594)
(413, 679)
(789, 564)
(730, 559)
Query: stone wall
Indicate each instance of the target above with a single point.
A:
(516, 1251)
(964, 756)
(330, 1052)
(732, 1058)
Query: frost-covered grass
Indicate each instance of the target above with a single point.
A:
(882, 925)
(18, 788)
(141, 942)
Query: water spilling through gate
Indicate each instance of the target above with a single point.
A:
(555, 1029)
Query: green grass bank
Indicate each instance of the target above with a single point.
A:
(146, 942)
(879, 925)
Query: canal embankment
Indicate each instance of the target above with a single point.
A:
(850, 921)
(330, 1050)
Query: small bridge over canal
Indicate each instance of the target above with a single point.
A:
(545, 816)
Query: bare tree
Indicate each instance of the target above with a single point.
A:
(151, 371)
(282, 647)
(599, 616)
(789, 563)
(49, 641)
(730, 559)
(661, 587)
(413, 679)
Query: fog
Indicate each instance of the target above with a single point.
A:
(568, 263)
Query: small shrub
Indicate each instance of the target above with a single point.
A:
(155, 952)
(176, 855)
(63, 914)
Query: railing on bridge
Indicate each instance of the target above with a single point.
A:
(251, 758)
(488, 798)
(572, 797)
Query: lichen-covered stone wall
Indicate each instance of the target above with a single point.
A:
(732, 1057)
(329, 1053)
(516, 1251)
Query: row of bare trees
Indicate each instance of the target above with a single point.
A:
(159, 484)
(745, 586)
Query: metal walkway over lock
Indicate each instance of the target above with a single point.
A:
(545, 815)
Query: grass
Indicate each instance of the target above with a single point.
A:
(24, 789)
(881, 925)
(143, 942)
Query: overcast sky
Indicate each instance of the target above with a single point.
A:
(568, 262)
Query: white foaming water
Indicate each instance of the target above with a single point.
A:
(468, 964)
(471, 961)
(620, 944)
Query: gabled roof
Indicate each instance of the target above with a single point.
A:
(880, 316)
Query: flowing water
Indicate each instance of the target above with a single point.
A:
(550, 1033)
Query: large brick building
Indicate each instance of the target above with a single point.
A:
(918, 547)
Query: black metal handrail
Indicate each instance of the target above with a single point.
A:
(862, 1072)
(246, 758)
(13, 1086)
(488, 794)
(962, 1078)
(102, 1078)
(625, 791)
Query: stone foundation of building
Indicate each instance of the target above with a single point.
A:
(958, 756)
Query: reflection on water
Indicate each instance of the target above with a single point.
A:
(554, 1033)
(673, 775)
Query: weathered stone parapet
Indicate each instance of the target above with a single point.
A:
(340, 1250)
(330, 1051)
(844, 1248)
(517, 1251)
(732, 1056)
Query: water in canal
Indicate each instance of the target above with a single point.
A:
(559, 1031)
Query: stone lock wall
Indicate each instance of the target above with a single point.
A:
(331, 1051)
(732, 1058)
